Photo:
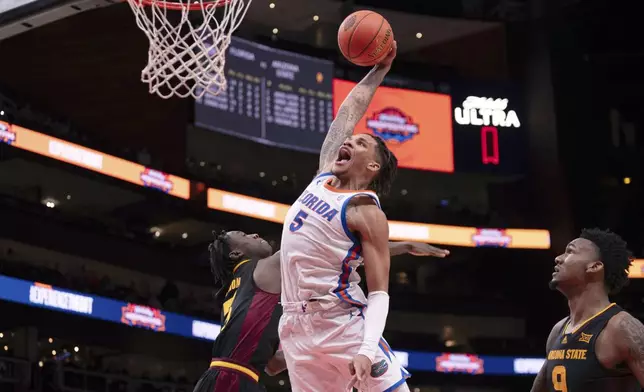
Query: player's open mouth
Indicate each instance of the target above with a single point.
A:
(344, 155)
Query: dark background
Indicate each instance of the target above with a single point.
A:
(574, 67)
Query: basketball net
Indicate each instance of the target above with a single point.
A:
(187, 52)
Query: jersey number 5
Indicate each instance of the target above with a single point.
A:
(559, 378)
(298, 221)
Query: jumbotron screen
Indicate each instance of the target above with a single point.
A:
(416, 125)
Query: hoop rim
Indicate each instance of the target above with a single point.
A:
(196, 5)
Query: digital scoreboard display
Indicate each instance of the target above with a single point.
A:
(274, 97)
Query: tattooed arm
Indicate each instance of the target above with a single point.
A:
(628, 334)
(352, 110)
(541, 381)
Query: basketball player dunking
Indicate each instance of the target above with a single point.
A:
(598, 347)
(249, 274)
(331, 333)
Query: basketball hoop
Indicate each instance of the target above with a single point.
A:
(188, 42)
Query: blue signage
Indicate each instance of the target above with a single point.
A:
(141, 316)
(134, 315)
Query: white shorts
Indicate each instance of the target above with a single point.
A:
(319, 345)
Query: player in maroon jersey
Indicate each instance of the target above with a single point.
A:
(249, 274)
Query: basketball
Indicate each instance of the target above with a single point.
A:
(365, 38)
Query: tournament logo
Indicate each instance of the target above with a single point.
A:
(391, 124)
(459, 363)
(491, 237)
(143, 317)
(7, 135)
(155, 179)
(380, 368)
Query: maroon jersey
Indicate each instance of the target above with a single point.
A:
(249, 320)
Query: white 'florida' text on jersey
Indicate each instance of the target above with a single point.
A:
(319, 254)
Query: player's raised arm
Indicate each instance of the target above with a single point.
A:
(352, 110)
(629, 336)
(540, 383)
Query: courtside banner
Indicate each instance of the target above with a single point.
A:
(108, 165)
(92, 306)
(239, 204)
(416, 125)
(140, 316)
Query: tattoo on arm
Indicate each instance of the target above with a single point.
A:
(336, 135)
(350, 112)
(632, 331)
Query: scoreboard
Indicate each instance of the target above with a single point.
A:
(273, 97)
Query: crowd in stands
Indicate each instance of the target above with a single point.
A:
(91, 370)
(24, 114)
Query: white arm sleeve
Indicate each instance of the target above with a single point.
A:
(375, 318)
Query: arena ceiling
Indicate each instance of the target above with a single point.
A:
(293, 18)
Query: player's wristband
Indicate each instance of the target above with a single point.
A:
(375, 318)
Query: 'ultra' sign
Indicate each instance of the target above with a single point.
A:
(486, 111)
(490, 114)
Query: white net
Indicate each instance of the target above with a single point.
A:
(188, 42)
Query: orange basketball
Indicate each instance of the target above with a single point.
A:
(365, 38)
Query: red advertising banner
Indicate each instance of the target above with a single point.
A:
(416, 125)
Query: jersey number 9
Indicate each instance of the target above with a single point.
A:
(298, 221)
(559, 378)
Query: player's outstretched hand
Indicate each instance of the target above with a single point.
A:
(386, 62)
(422, 249)
(360, 368)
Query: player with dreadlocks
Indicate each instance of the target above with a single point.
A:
(599, 347)
(248, 272)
